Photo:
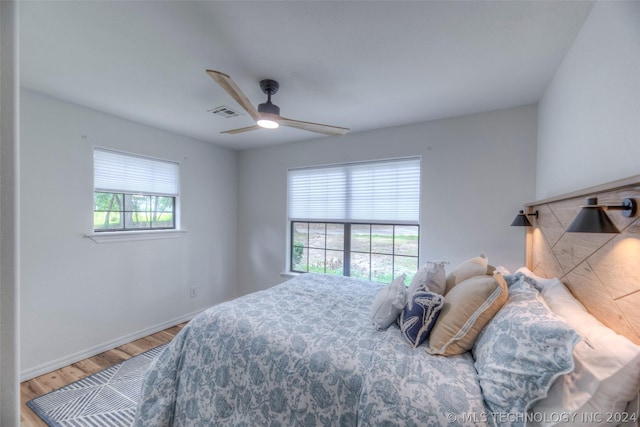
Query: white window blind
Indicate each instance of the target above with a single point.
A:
(126, 173)
(382, 191)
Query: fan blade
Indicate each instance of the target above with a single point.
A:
(247, 129)
(313, 127)
(232, 89)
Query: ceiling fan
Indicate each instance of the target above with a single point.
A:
(268, 114)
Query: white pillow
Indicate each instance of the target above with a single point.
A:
(430, 277)
(607, 367)
(389, 303)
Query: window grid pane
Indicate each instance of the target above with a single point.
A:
(382, 239)
(361, 265)
(405, 240)
(317, 235)
(335, 236)
(122, 212)
(316, 260)
(382, 267)
(361, 238)
(335, 262)
(377, 252)
(299, 246)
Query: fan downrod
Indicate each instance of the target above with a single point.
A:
(269, 87)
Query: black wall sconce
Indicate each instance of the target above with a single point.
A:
(592, 218)
(521, 219)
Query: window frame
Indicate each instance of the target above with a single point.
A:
(123, 213)
(289, 251)
(347, 250)
(135, 233)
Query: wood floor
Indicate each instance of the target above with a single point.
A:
(63, 376)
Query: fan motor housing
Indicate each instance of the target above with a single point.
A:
(269, 87)
(269, 107)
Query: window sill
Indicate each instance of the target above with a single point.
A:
(289, 274)
(131, 236)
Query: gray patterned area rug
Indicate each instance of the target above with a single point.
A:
(106, 398)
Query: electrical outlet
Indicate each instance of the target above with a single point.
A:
(193, 292)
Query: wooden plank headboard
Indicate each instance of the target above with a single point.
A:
(601, 270)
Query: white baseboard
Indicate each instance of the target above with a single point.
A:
(44, 368)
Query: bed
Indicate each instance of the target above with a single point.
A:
(306, 352)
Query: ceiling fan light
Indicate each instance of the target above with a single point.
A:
(268, 124)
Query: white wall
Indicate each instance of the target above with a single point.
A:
(78, 295)
(477, 171)
(589, 116)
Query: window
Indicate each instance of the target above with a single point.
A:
(359, 220)
(133, 192)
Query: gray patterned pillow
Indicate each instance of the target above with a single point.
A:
(520, 352)
(429, 277)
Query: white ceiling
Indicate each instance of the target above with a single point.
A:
(356, 64)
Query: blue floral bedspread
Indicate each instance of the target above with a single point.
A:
(304, 353)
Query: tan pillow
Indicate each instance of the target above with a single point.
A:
(477, 266)
(467, 308)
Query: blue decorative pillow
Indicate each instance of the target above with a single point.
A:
(520, 352)
(419, 315)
